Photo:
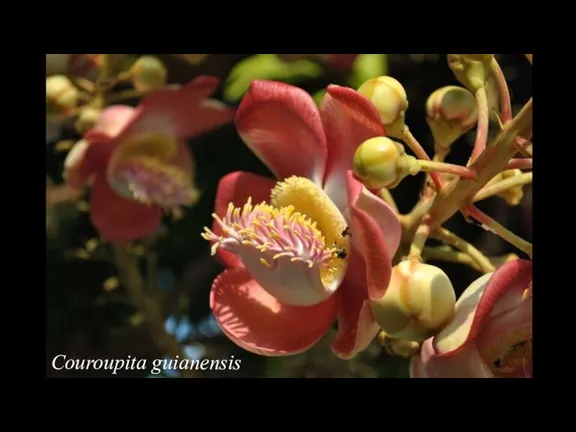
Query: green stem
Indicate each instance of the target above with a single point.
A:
(441, 167)
(503, 185)
(420, 153)
(503, 92)
(491, 225)
(453, 240)
(483, 118)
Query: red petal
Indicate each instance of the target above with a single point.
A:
(118, 219)
(503, 292)
(114, 118)
(280, 123)
(259, 323)
(88, 158)
(376, 234)
(179, 111)
(349, 119)
(356, 324)
(467, 363)
(236, 188)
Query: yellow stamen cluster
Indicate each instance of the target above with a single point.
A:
(281, 232)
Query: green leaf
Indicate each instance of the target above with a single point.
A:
(268, 67)
(368, 66)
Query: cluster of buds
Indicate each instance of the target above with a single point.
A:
(61, 95)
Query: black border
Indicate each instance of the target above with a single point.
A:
(416, 393)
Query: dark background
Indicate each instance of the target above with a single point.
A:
(84, 320)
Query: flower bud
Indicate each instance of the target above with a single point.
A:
(514, 195)
(148, 74)
(390, 99)
(471, 70)
(61, 95)
(451, 113)
(87, 119)
(419, 301)
(382, 163)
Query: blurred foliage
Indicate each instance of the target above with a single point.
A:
(368, 66)
(267, 67)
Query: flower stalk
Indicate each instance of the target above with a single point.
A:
(128, 269)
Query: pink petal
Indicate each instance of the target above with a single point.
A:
(503, 292)
(349, 119)
(87, 158)
(488, 296)
(341, 61)
(356, 324)
(376, 234)
(179, 111)
(236, 188)
(259, 323)
(281, 125)
(114, 118)
(466, 364)
(118, 219)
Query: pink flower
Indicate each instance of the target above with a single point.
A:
(294, 269)
(490, 335)
(138, 161)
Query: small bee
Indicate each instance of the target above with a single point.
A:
(346, 232)
(341, 253)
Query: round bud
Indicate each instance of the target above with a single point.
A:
(471, 70)
(419, 301)
(61, 95)
(87, 119)
(148, 74)
(382, 163)
(451, 112)
(391, 101)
